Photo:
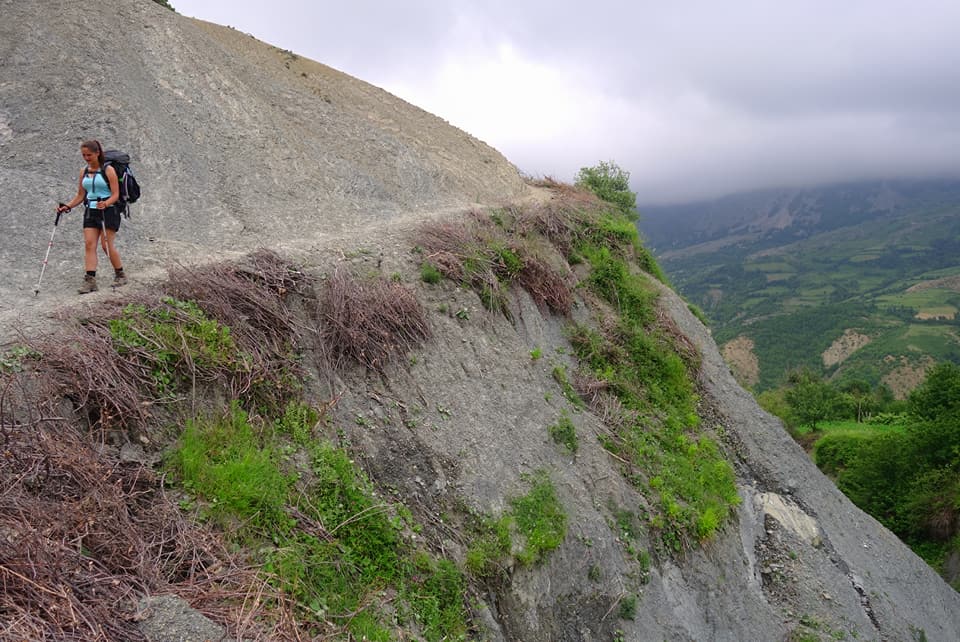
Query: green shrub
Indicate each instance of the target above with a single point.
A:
(611, 183)
(540, 519)
(564, 433)
(877, 478)
(939, 395)
(430, 274)
(834, 452)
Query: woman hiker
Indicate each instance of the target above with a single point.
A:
(98, 189)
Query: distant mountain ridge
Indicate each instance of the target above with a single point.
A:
(779, 215)
(794, 271)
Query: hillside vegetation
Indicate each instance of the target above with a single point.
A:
(796, 272)
(283, 511)
(897, 460)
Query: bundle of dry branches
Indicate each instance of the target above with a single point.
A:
(546, 286)
(562, 219)
(369, 321)
(115, 386)
(482, 255)
(248, 297)
(84, 536)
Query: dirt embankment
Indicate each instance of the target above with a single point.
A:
(946, 283)
(844, 346)
(743, 361)
(906, 375)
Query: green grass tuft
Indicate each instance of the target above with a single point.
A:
(430, 274)
(325, 538)
(564, 433)
(540, 519)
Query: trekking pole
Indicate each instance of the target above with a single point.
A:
(46, 256)
(103, 230)
(103, 235)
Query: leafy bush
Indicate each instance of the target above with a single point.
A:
(910, 480)
(811, 399)
(833, 452)
(939, 395)
(611, 183)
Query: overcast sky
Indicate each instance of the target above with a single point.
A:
(694, 98)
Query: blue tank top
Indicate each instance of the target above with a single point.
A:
(96, 186)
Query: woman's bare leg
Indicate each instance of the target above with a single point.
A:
(90, 237)
(112, 250)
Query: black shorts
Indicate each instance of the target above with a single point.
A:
(93, 217)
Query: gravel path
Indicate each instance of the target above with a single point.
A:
(237, 145)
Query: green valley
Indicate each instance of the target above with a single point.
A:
(858, 282)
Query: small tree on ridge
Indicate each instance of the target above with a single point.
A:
(610, 183)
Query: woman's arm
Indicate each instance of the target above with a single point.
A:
(78, 198)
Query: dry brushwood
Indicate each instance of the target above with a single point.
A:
(546, 286)
(116, 388)
(84, 536)
(81, 364)
(473, 252)
(563, 219)
(369, 321)
(248, 297)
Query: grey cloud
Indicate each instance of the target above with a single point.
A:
(745, 94)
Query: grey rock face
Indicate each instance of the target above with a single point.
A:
(168, 618)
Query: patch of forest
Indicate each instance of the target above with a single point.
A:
(897, 460)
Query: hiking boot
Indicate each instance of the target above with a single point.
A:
(119, 279)
(89, 284)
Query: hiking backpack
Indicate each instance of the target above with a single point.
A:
(129, 187)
